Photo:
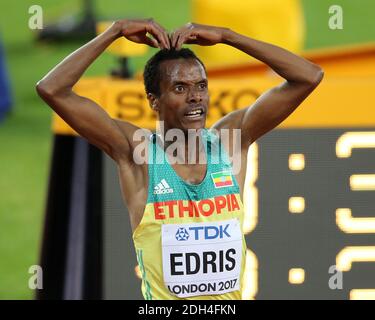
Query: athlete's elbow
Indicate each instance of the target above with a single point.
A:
(316, 76)
(319, 75)
(43, 89)
(47, 91)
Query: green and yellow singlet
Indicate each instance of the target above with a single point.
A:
(189, 243)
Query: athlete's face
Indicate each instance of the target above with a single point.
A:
(183, 90)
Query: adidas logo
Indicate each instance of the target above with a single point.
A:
(162, 188)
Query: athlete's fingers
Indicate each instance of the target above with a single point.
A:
(176, 35)
(181, 40)
(152, 42)
(170, 35)
(164, 34)
(177, 39)
(174, 38)
(157, 34)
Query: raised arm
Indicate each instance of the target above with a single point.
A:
(82, 114)
(273, 106)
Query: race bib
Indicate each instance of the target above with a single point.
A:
(202, 258)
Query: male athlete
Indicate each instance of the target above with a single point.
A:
(186, 217)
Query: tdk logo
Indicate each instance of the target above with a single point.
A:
(210, 232)
(182, 234)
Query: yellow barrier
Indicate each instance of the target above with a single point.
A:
(280, 22)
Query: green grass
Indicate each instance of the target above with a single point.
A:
(358, 23)
(25, 136)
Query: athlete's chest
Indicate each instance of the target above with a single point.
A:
(191, 173)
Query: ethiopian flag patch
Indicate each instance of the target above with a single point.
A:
(222, 179)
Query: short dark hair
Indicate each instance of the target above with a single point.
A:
(151, 73)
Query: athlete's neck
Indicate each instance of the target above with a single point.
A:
(183, 147)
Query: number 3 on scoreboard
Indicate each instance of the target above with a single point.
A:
(344, 219)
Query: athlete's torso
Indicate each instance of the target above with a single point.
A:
(189, 242)
(135, 194)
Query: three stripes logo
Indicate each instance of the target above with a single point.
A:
(162, 188)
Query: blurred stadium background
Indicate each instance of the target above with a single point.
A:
(25, 133)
